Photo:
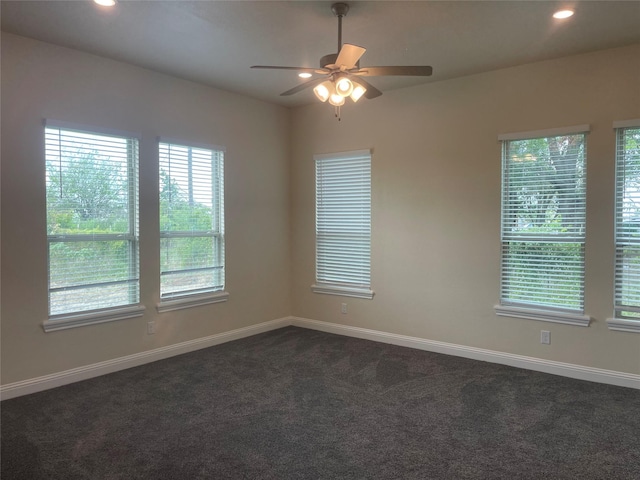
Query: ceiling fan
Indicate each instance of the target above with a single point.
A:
(341, 74)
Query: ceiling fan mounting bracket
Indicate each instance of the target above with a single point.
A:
(340, 9)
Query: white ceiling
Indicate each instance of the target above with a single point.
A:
(215, 42)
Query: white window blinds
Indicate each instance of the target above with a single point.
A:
(343, 220)
(92, 219)
(191, 220)
(627, 226)
(543, 222)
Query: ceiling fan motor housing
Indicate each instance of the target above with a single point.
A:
(329, 59)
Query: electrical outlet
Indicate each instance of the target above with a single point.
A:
(545, 337)
(343, 308)
(151, 328)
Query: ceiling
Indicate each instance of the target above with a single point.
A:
(215, 42)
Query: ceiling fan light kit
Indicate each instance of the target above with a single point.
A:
(337, 90)
(342, 74)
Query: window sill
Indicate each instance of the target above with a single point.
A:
(189, 301)
(65, 321)
(623, 325)
(343, 291)
(543, 315)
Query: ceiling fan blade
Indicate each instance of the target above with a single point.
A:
(418, 71)
(302, 86)
(372, 92)
(299, 69)
(349, 55)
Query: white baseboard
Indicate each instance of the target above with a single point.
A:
(59, 379)
(53, 380)
(530, 363)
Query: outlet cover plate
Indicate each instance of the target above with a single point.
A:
(545, 337)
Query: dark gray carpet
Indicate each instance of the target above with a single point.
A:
(301, 404)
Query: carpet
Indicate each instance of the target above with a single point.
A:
(302, 404)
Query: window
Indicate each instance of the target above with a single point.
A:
(627, 228)
(191, 225)
(92, 225)
(343, 224)
(543, 225)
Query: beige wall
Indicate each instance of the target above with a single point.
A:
(436, 203)
(40, 81)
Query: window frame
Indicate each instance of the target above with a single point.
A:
(347, 287)
(532, 311)
(619, 322)
(134, 308)
(177, 300)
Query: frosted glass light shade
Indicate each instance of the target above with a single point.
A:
(336, 100)
(358, 91)
(323, 91)
(344, 87)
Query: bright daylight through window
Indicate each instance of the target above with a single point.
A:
(543, 222)
(92, 219)
(191, 220)
(343, 224)
(627, 276)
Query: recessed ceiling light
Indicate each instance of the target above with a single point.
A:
(105, 3)
(563, 14)
(304, 75)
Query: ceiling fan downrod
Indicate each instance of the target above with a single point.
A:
(340, 10)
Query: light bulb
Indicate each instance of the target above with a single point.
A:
(563, 14)
(304, 75)
(105, 3)
(336, 100)
(344, 87)
(358, 91)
